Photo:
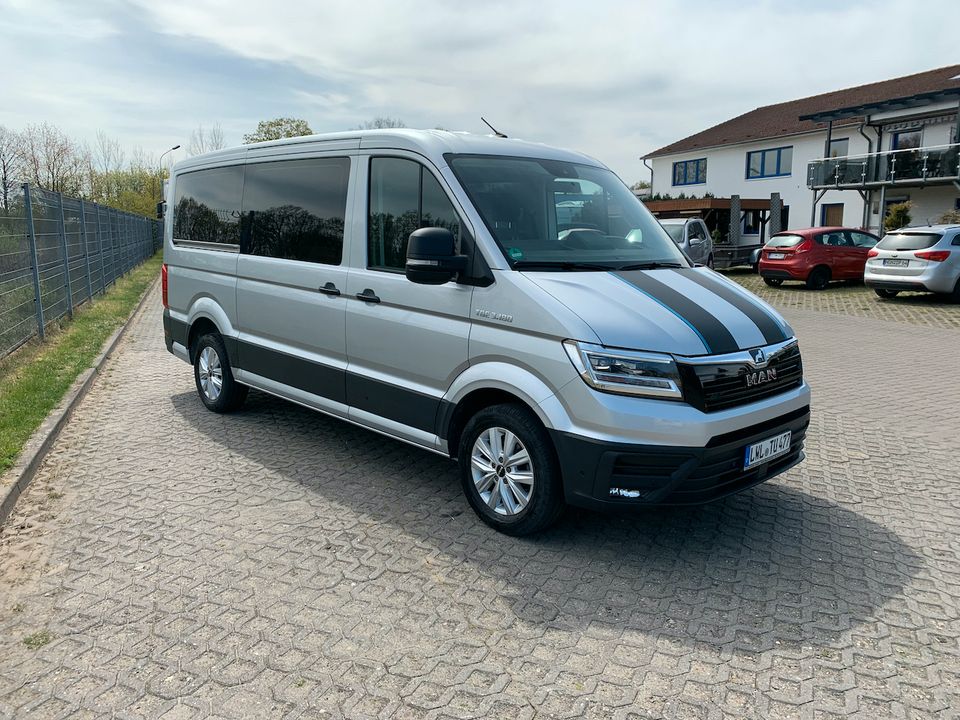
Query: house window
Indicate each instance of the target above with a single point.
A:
(907, 140)
(769, 163)
(839, 148)
(690, 172)
(751, 222)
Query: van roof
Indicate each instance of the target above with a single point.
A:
(433, 144)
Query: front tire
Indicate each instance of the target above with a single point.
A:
(886, 294)
(216, 387)
(509, 471)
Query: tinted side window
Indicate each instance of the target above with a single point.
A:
(296, 209)
(404, 196)
(863, 240)
(207, 206)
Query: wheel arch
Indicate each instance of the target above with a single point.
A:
(482, 386)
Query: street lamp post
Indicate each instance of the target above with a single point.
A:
(175, 147)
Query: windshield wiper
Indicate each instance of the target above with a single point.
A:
(560, 265)
(650, 266)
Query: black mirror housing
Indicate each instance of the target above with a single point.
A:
(161, 208)
(432, 256)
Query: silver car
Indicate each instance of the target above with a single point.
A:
(507, 305)
(692, 236)
(924, 259)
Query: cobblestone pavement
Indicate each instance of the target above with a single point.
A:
(847, 298)
(171, 563)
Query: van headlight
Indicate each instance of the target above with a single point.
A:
(624, 371)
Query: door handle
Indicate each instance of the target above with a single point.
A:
(329, 289)
(368, 295)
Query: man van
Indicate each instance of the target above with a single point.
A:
(506, 304)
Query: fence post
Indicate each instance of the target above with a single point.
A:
(103, 272)
(86, 247)
(32, 238)
(66, 256)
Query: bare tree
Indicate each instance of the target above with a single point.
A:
(381, 123)
(52, 160)
(11, 166)
(108, 156)
(204, 141)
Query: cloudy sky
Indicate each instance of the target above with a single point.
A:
(613, 79)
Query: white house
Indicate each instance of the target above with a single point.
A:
(836, 159)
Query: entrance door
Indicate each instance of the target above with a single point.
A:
(405, 342)
(831, 215)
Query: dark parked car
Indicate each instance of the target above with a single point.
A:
(816, 256)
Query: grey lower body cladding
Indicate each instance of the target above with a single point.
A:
(396, 403)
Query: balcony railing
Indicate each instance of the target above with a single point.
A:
(915, 166)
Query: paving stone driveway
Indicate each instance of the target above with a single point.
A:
(172, 563)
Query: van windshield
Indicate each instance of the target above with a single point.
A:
(556, 215)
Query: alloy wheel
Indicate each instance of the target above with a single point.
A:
(502, 471)
(210, 371)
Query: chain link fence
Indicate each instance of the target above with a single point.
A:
(58, 252)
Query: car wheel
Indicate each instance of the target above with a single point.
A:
(955, 295)
(818, 278)
(773, 282)
(211, 371)
(509, 471)
(886, 294)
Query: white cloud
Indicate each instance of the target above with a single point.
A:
(614, 79)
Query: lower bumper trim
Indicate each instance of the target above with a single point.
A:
(603, 475)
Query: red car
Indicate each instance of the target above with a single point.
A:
(815, 256)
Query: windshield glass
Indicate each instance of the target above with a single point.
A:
(784, 241)
(908, 241)
(550, 214)
(675, 231)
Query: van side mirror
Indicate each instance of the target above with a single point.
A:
(432, 256)
(161, 207)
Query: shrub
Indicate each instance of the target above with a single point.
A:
(898, 215)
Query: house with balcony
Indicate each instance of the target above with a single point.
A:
(840, 158)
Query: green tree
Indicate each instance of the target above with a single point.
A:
(281, 127)
(898, 215)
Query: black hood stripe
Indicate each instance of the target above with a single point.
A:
(714, 333)
(771, 329)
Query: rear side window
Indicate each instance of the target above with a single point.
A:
(207, 206)
(296, 209)
(908, 241)
(404, 196)
(785, 241)
(863, 240)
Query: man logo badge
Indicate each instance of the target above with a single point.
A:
(761, 376)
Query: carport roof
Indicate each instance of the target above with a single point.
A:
(846, 106)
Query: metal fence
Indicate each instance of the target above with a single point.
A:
(57, 253)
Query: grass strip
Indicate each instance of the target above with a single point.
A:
(35, 378)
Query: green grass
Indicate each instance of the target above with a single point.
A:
(35, 378)
(38, 639)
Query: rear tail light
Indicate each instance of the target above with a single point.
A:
(163, 285)
(933, 255)
(873, 252)
(804, 246)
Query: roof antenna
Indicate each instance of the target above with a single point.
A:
(495, 131)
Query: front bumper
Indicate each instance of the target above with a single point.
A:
(606, 475)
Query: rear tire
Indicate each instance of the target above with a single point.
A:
(886, 294)
(819, 278)
(216, 387)
(955, 295)
(773, 282)
(509, 470)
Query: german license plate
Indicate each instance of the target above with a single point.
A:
(895, 262)
(766, 450)
(776, 256)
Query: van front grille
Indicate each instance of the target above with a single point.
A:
(712, 387)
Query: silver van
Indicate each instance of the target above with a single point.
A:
(692, 236)
(506, 304)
